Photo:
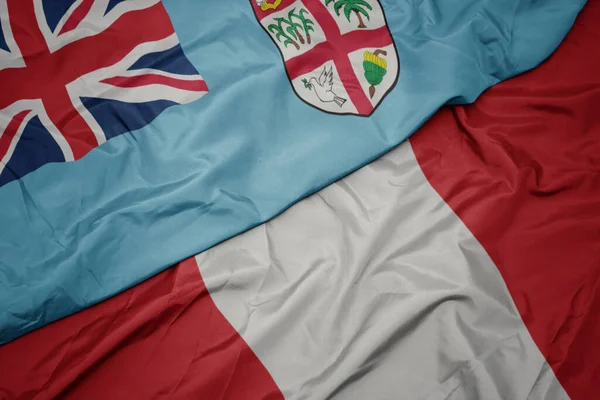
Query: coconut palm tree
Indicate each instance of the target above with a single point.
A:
(357, 6)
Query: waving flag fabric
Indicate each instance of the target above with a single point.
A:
(190, 173)
(68, 88)
(460, 266)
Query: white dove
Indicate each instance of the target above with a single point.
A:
(323, 87)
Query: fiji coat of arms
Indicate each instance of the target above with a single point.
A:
(339, 54)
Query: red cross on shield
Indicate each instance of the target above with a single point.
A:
(339, 54)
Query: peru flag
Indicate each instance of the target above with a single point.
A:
(461, 265)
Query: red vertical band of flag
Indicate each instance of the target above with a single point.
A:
(164, 338)
(521, 168)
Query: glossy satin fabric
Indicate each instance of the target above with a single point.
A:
(371, 288)
(374, 288)
(164, 338)
(74, 234)
(520, 169)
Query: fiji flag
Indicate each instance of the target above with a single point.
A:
(302, 92)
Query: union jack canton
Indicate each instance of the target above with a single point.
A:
(75, 73)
